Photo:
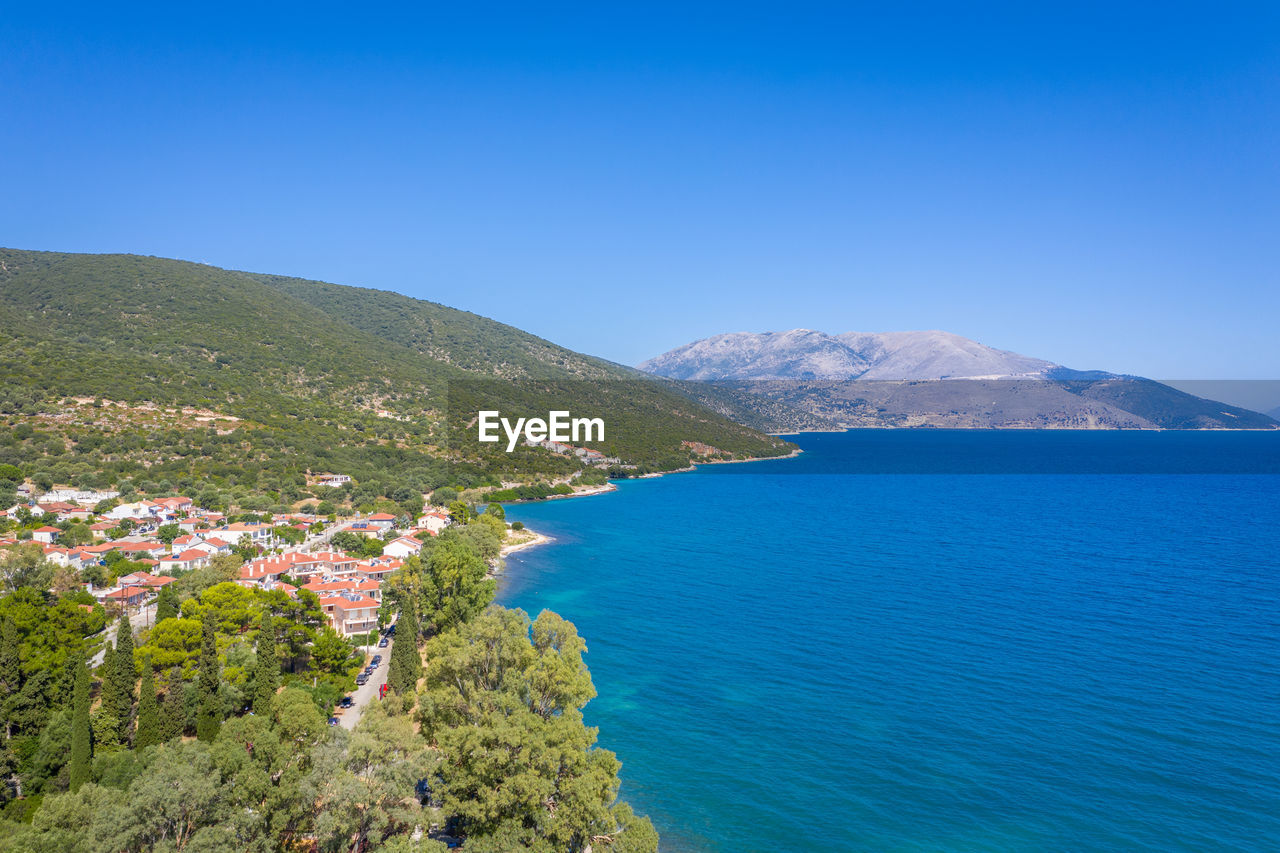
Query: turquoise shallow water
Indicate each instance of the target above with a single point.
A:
(953, 654)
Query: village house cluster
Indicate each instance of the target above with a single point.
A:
(349, 587)
(588, 455)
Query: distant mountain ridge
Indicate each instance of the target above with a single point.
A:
(809, 354)
(804, 379)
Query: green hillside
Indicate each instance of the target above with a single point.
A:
(322, 378)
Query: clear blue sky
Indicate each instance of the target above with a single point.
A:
(1091, 184)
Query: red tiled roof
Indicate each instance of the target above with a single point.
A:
(140, 578)
(339, 586)
(340, 603)
(138, 546)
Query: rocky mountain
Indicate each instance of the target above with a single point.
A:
(805, 379)
(809, 354)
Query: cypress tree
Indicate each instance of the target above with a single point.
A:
(109, 674)
(166, 604)
(266, 669)
(209, 716)
(10, 669)
(149, 726)
(126, 676)
(406, 664)
(174, 709)
(10, 663)
(81, 735)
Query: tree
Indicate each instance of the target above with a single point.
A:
(166, 603)
(174, 710)
(10, 661)
(174, 642)
(126, 675)
(26, 566)
(235, 607)
(484, 534)
(459, 512)
(81, 736)
(209, 717)
(108, 673)
(346, 541)
(359, 787)
(406, 663)
(518, 764)
(266, 667)
(10, 675)
(496, 510)
(333, 655)
(149, 730)
(168, 532)
(76, 534)
(178, 799)
(454, 584)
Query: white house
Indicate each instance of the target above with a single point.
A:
(433, 520)
(382, 520)
(46, 535)
(80, 496)
(193, 558)
(138, 509)
(185, 542)
(253, 532)
(351, 613)
(403, 547)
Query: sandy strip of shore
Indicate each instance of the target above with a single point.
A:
(538, 539)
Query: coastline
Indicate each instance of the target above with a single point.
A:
(534, 541)
(584, 492)
(590, 491)
(1014, 428)
(693, 466)
(538, 539)
(792, 455)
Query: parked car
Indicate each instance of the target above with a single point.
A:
(346, 702)
(377, 659)
(333, 721)
(362, 678)
(382, 644)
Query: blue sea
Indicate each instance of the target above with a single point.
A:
(937, 641)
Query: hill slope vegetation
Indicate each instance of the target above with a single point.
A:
(202, 374)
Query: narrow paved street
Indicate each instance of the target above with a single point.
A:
(368, 692)
(139, 618)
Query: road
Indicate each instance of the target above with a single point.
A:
(314, 540)
(139, 618)
(369, 691)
